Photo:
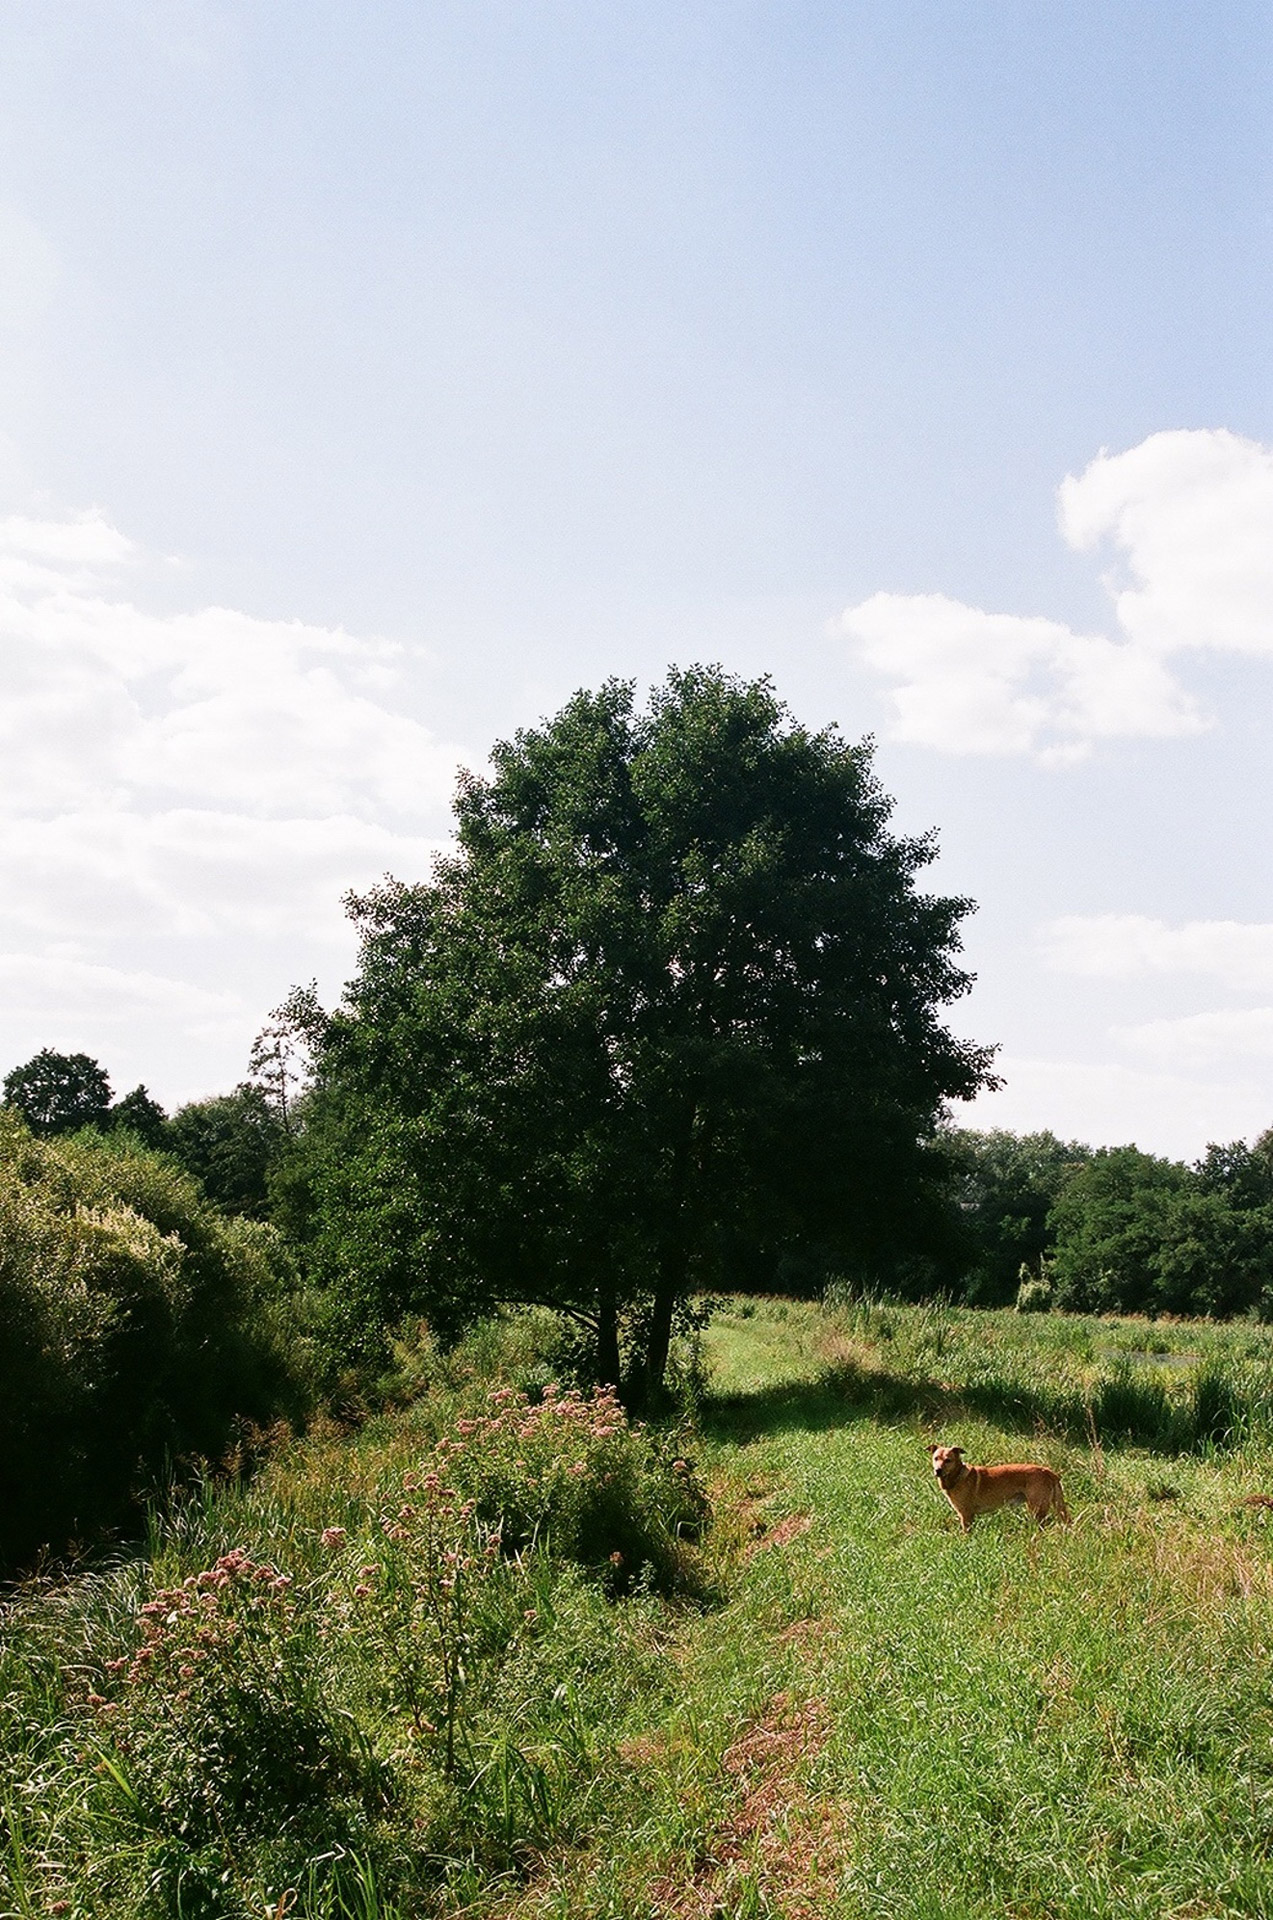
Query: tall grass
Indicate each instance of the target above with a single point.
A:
(377, 1671)
(1175, 1387)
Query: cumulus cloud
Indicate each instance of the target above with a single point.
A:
(204, 782)
(216, 707)
(1188, 516)
(1201, 1040)
(1127, 946)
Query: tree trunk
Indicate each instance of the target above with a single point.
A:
(673, 1277)
(659, 1339)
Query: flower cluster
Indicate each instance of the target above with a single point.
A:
(204, 1619)
(569, 1471)
(428, 1599)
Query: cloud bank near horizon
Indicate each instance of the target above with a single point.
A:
(207, 781)
(1188, 518)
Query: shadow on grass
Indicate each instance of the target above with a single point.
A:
(837, 1396)
(1121, 1408)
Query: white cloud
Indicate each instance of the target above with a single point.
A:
(974, 682)
(1190, 517)
(62, 987)
(1127, 946)
(1204, 1039)
(101, 699)
(203, 786)
(193, 874)
(1108, 1104)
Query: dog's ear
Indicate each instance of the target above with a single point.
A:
(958, 1451)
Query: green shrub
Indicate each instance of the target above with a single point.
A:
(353, 1711)
(135, 1325)
(1034, 1295)
(221, 1737)
(571, 1473)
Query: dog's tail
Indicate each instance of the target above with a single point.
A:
(1059, 1507)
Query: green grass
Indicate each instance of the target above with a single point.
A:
(876, 1716)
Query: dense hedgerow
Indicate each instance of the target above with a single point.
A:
(136, 1325)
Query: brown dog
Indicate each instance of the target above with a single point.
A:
(974, 1490)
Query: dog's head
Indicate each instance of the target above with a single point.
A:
(947, 1463)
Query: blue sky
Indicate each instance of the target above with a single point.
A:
(372, 376)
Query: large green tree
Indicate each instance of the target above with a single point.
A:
(672, 1007)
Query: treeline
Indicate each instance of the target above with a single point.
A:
(1049, 1223)
(233, 1143)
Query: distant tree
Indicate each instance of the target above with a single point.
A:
(1006, 1185)
(58, 1092)
(137, 1113)
(280, 1059)
(230, 1143)
(1216, 1258)
(1111, 1222)
(672, 1008)
(1242, 1174)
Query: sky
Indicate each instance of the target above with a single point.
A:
(373, 376)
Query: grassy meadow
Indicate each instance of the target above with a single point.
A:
(825, 1702)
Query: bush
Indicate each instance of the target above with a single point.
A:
(570, 1473)
(344, 1706)
(221, 1735)
(135, 1325)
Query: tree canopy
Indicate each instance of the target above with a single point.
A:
(1137, 1234)
(231, 1143)
(1006, 1185)
(672, 1007)
(59, 1092)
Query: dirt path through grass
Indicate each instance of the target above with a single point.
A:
(889, 1719)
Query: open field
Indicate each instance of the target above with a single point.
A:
(846, 1708)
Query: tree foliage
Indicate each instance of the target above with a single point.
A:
(135, 1324)
(59, 1092)
(231, 1143)
(672, 1007)
(1005, 1186)
(1139, 1234)
(138, 1113)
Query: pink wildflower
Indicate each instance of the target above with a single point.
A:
(333, 1536)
